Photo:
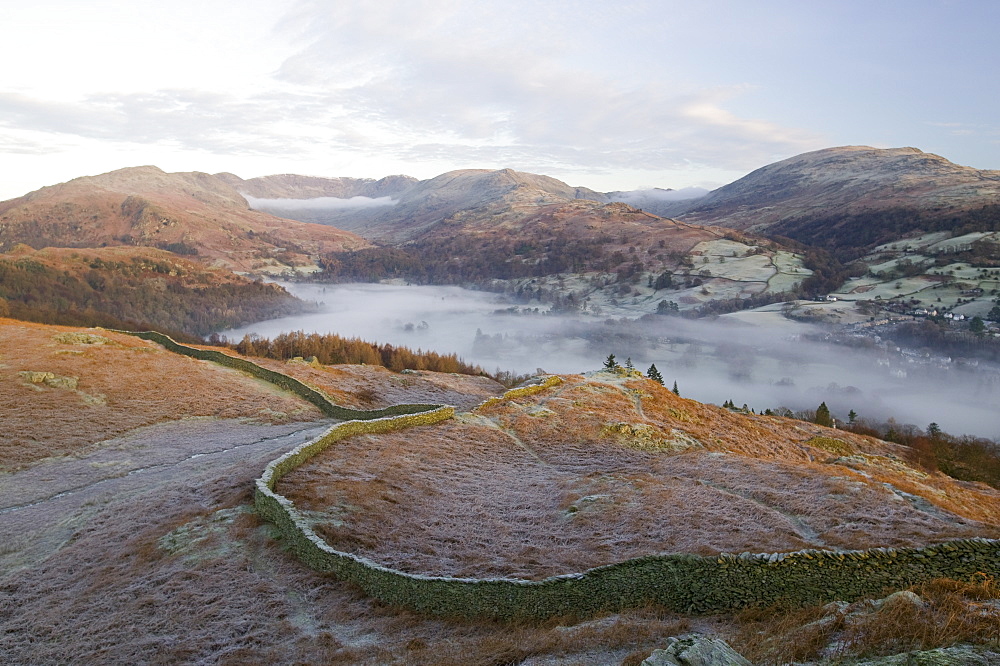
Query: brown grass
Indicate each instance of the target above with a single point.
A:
(540, 486)
(372, 387)
(225, 591)
(946, 613)
(122, 386)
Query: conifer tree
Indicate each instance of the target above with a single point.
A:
(628, 364)
(610, 363)
(654, 374)
(823, 417)
(676, 390)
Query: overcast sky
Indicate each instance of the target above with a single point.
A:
(606, 95)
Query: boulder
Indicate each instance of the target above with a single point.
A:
(695, 650)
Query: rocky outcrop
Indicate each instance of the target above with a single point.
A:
(696, 650)
(49, 379)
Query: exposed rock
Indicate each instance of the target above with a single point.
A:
(644, 437)
(34, 376)
(80, 338)
(902, 599)
(62, 382)
(959, 655)
(49, 379)
(696, 650)
(311, 361)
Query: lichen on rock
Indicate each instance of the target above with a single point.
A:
(696, 650)
(79, 338)
(50, 379)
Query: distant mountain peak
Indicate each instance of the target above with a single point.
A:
(841, 182)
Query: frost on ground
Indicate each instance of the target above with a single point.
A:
(603, 469)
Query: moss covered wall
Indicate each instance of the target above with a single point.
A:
(684, 583)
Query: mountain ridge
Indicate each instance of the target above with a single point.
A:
(836, 184)
(195, 213)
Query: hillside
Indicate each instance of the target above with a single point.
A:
(188, 213)
(419, 207)
(538, 238)
(854, 197)
(583, 463)
(127, 520)
(133, 288)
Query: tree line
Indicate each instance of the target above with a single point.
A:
(332, 349)
(135, 294)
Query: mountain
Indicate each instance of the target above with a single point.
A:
(518, 232)
(417, 207)
(291, 186)
(189, 213)
(854, 197)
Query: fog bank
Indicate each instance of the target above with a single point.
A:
(318, 203)
(761, 360)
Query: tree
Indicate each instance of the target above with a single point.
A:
(666, 307)
(994, 314)
(654, 374)
(823, 417)
(610, 363)
(852, 416)
(977, 326)
(933, 431)
(663, 281)
(628, 364)
(675, 389)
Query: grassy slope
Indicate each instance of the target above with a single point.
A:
(601, 470)
(122, 383)
(183, 572)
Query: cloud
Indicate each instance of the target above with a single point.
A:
(319, 203)
(422, 82)
(659, 194)
(442, 81)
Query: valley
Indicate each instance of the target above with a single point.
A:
(776, 356)
(848, 299)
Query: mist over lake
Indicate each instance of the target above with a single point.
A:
(759, 359)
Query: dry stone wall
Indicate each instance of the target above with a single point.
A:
(280, 380)
(683, 583)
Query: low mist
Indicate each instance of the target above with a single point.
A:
(318, 203)
(763, 361)
(660, 194)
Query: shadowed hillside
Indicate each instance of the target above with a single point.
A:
(132, 288)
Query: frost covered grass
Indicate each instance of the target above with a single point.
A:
(551, 484)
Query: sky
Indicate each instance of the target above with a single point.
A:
(611, 96)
